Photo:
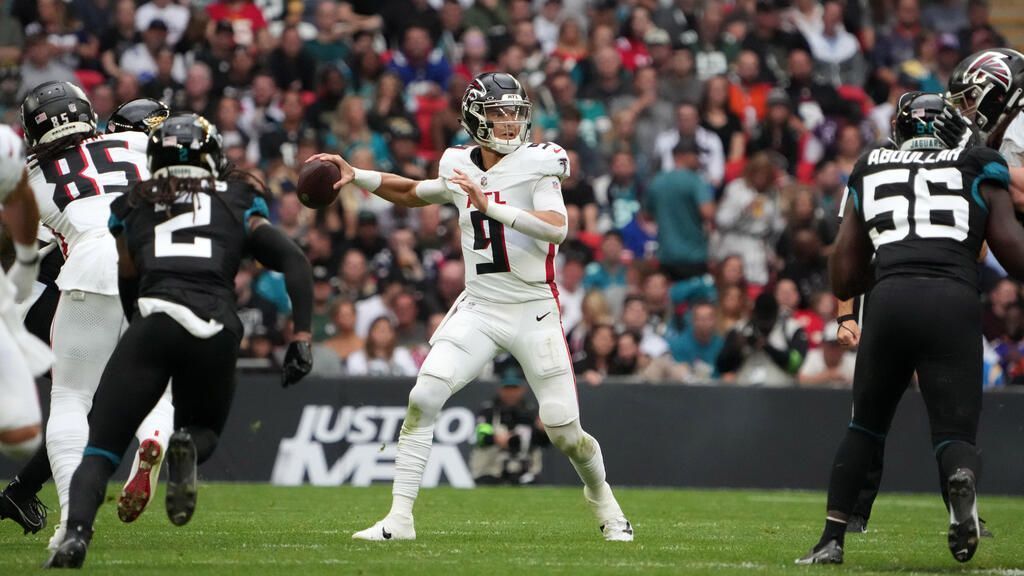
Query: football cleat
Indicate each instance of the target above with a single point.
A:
(182, 478)
(964, 529)
(71, 552)
(618, 530)
(141, 485)
(29, 513)
(830, 553)
(388, 529)
(59, 532)
(857, 525)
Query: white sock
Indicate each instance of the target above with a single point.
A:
(413, 453)
(158, 424)
(595, 489)
(67, 432)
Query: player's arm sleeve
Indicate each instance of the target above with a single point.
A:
(850, 271)
(119, 210)
(547, 197)
(433, 191)
(274, 250)
(127, 279)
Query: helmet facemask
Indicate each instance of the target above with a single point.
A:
(502, 125)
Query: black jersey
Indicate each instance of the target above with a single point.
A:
(191, 255)
(923, 210)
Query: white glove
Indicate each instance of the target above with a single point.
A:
(25, 270)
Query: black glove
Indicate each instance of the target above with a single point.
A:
(951, 128)
(298, 361)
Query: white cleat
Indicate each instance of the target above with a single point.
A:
(58, 537)
(618, 530)
(388, 529)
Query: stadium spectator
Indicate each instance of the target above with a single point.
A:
(119, 37)
(422, 68)
(198, 95)
(815, 101)
(771, 42)
(837, 53)
(748, 94)
(218, 53)
(410, 330)
(610, 271)
(768, 350)
(103, 103)
(381, 356)
(162, 86)
(570, 289)
(712, 156)
(1010, 346)
(628, 360)
(678, 83)
(175, 15)
(140, 59)
(608, 80)
(475, 55)
(716, 116)
(323, 292)
(329, 46)
(619, 196)
(509, 437)
(571, 46)
(733, 308)
(849, 147)
(292, 66)
(978, 26)
(699, 344)
(829, 364)
(241, 77)
(41, 65)
(898, 45)
(637, 317)
(650, 114)
(403, 139)
(533, 56)
(748, 219)
(451, 281)
(787, 296)
(595, 311)
(659, 48)
(945, 16)
(597, 361)
(1002, 296)
(126, 87)
(682, 205)
(254, 311)
(713, 52)
(781, 132)
(245, 17)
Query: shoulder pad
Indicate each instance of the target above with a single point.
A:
(546, 159)
(454, 157)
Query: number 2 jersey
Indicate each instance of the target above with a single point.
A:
(74, 192)
(189, 254)
(923, 210)
(502, 264)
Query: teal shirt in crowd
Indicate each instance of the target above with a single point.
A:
(686, 348)
(674, 200)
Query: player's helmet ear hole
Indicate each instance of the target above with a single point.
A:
(496, 112)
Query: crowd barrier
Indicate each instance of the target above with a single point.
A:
(333, 432)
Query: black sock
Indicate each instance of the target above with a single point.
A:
(956, 455)
(88, 488)
(834, 530)
(205, 441)
(850, 469)
(32, 476)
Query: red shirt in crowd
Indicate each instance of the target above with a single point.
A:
(244, 16)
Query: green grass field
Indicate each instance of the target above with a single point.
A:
(257, 529)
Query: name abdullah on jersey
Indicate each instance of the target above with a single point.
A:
(923, 211)
(74, 192)
(502, 264)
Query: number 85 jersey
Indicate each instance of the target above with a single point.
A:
(923, 210)
(74, 192)
(502, 264)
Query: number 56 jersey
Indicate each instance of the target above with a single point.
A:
(502, 264)
(923, 210)
(74, 192)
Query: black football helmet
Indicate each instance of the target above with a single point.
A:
(185, 146)
(912, 126)
(139, 115)
(497, 98)
(54, 110)
(987, 87)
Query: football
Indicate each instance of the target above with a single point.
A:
(316, 184)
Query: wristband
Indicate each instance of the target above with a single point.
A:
(368, 180)
(503, 213)
(26, 253)
(846, 317)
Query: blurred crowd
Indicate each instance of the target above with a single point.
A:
(710, 142)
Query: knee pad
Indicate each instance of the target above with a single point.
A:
(554, 414)
(20, 450)
(572, 440)
(428, 396)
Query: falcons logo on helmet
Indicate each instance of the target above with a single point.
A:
(989, 66)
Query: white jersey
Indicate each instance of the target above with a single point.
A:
(74, 193)
(12, 161)
(1012, 146)
(502, 264)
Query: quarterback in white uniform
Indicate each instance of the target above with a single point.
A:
(22, 356)
(75, 174)
(512, 218)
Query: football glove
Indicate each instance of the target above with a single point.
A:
(951, 128)
(298, 361)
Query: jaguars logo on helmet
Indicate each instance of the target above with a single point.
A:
(139, 115)
(913, 125)
(496, 112)
(185, 146)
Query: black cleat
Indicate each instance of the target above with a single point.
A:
(985, 532)
(857, 525)
(29, 512)
(181, 478)
(71, 552)
(830, 553)
(964, 529)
